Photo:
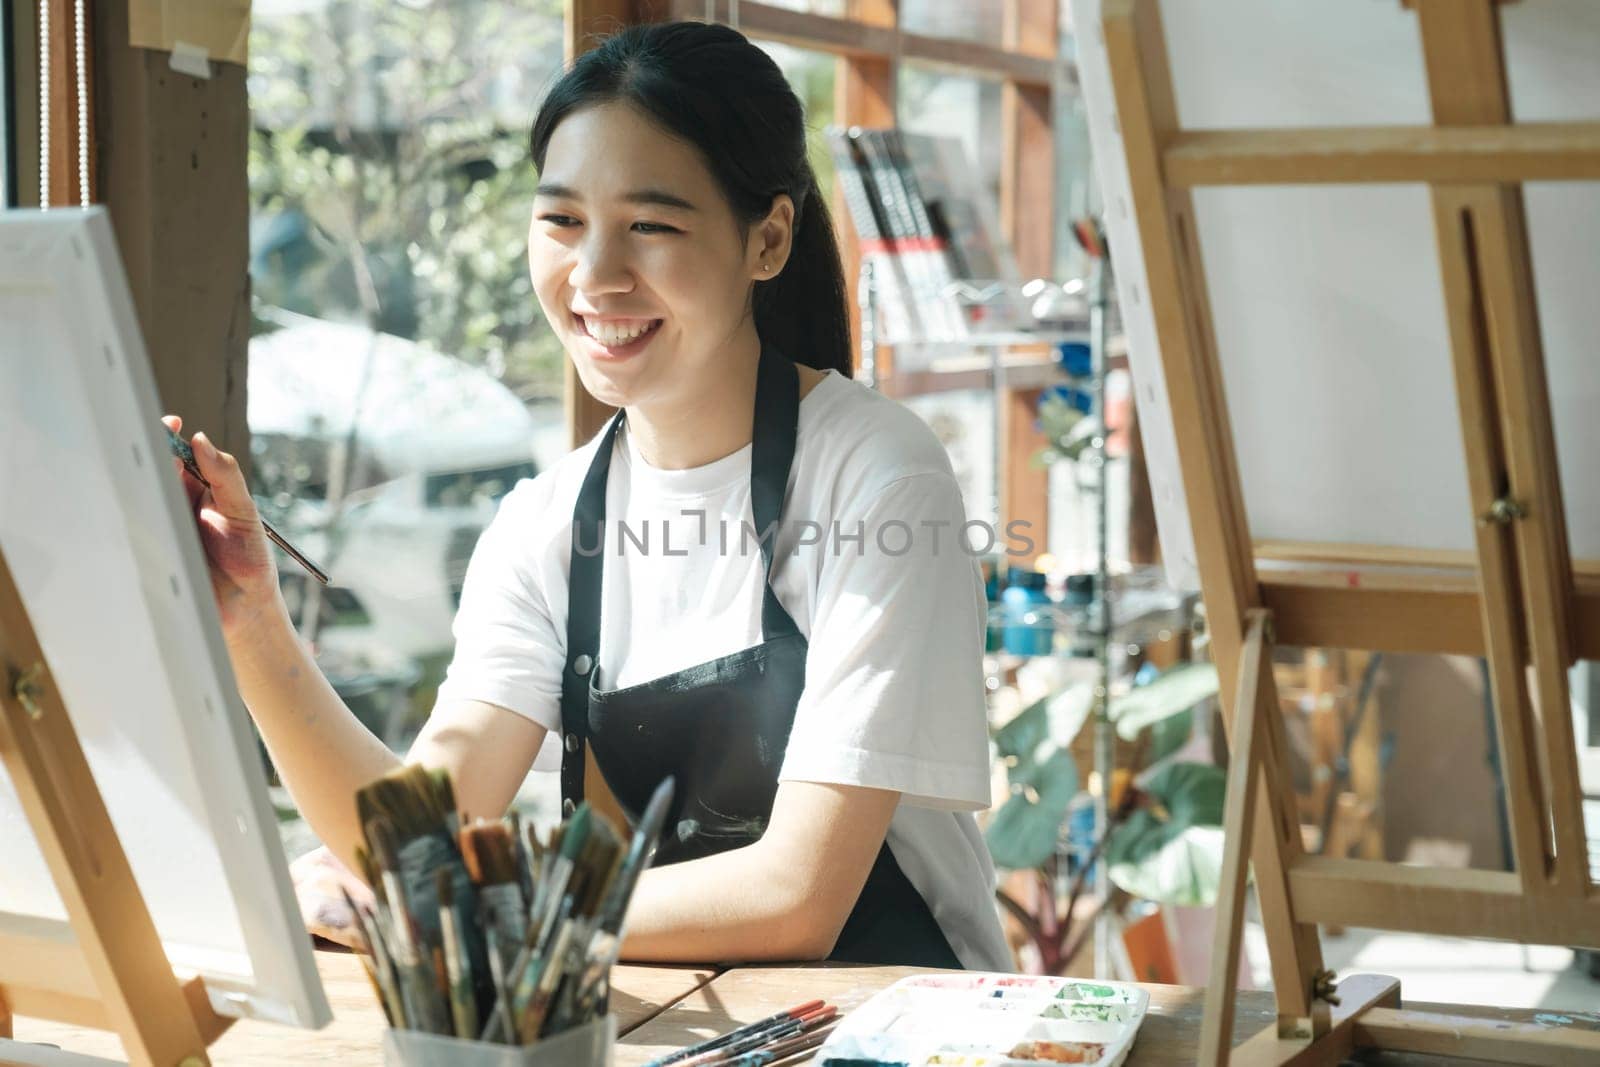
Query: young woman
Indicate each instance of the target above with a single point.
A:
(751, 580)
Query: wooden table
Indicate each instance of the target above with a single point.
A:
(1167, 1037)
(659, 1009)
(355, 1037)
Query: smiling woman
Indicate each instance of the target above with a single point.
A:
(811, 680)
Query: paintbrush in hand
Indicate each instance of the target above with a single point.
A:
(185, 454)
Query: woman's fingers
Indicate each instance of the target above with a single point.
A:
(191, 488)
(228, 491)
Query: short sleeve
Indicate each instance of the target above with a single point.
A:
(894, 694)
(508, 651)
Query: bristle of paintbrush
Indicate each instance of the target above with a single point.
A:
(487, 848)
(414, 800)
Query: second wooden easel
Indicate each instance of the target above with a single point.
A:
(1520, 585)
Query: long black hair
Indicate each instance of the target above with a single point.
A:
(710, 87)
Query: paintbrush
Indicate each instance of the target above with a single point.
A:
(458, 968)
(419, 805)
(489, 850)
(418, 989)
(796, 1012)
(777, 1032)
(784, 1051)
(605, 945)
(640, 852)
(185, 454)
(381, 970)
(573, 834)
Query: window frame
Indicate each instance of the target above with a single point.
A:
(869, 46)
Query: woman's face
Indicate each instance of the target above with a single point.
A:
(638, 260)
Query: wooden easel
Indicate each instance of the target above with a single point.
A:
(1518, 584)
(104, 967)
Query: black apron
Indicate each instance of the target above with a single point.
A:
(719, 728)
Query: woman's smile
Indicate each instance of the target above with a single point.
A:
(615, 338)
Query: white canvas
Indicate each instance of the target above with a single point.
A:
(1326, 300)
(99, 538)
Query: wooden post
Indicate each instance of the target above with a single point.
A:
(172, 157)
(864, 90)
(1027, 219)
(1513, 473)
(1244, 760)
(1148, 114)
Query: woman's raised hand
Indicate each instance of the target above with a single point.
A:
(244, 577)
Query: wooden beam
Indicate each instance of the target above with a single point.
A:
(1526, 151)
(863, 95)
(1511, 458)
(173, 151)
(1377, 620)
(1027, 201)
(1386, 612)
(1147, 113)
(868, 38)
(1446, 902)
(1358, 994)
(1461, 1037)
(1244, 761)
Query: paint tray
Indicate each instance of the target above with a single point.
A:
(989, 1020)
(589, 1045)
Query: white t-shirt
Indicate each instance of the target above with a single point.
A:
(869, 563)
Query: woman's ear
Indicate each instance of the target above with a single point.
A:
(771, 239)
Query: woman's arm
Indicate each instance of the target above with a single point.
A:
(321, 750)
(324, 754)
(786, 897)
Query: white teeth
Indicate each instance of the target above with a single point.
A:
(611, 335)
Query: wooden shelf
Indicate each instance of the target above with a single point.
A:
(1022, 371)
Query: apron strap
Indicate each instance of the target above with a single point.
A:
(585, 573)
(775, 423)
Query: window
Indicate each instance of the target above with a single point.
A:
(937, 101)
(978, 21)
(403, 377)
(811, 75)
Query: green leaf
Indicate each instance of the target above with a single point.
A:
(1025, 732)
(1173, 855)
(1169, 735)
(1025, 831)
(1184, 871)
(1173, 693)
(1056, 718)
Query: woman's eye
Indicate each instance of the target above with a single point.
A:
(559, 220)
(654, 227)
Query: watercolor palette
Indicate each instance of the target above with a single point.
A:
(989, 1020)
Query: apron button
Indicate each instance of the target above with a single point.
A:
(568, 807)
(582, 664)
(572, 742)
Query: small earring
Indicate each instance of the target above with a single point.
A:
(765, 267)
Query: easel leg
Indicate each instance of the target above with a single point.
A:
(1244, 760)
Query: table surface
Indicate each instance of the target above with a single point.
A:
(660, 1009)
